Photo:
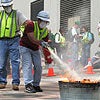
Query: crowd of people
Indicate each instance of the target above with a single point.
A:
(75, 46)
(28, 43)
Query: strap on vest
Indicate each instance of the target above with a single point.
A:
(1, 19)
(12, 23)
(42, 33)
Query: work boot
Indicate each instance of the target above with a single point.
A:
(38, 89)
(15, 87)
(29, 88)
(2, 86)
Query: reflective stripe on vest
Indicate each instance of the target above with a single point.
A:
(39, 34)
(8, 24)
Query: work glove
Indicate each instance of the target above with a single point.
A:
(44, 44)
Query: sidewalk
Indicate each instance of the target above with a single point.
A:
(48, 84)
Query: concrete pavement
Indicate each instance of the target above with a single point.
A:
(48, 84)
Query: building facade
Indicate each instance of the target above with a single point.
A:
(64, 13)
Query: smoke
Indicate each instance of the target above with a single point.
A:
(65, 67)
(71, 74)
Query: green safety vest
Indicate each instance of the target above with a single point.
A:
(61, 39)
(39, 34)
(85, 38)
(22, 28)
(8, 25)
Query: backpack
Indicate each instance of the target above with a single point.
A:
(92, 40)
(69, 35)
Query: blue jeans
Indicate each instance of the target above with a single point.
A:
(97, 64)
(85, 54)
(30, 57)
(9, 47)
(74, 54)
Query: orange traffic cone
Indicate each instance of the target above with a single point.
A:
(90, 67)
(50, 72)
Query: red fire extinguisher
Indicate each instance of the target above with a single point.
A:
(47, 56)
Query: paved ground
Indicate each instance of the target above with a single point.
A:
(48, 84)
(51, 92)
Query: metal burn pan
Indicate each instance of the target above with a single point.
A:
(79, 91)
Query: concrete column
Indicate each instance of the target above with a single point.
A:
(53, 7)
(95, 18)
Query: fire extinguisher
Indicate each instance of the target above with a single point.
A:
(47, 56)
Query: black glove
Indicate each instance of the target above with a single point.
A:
(44, 44)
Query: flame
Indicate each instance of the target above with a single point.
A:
(89, 81)
(68, 78)
(69, 75)
(64, 78)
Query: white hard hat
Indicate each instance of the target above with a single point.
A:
(43, 15)
(6, 2)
